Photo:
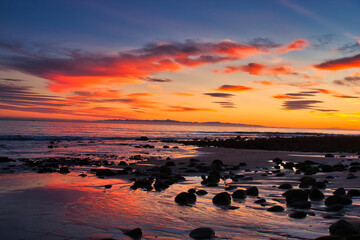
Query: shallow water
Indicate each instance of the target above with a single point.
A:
(58, 206)
(67, 206)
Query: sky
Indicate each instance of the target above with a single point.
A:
(279, 63)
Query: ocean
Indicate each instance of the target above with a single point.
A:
(67, 206)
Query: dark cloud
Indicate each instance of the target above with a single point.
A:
(304, 105)
(11, 79)
(323, 40)
(223, 95)
(348, 81)
(158, 80)
(264, 43)
(340, 63)
(24, 96)
(303, 94)
(188, 109)
(350, 47)
(226, 104)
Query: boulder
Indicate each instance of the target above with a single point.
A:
(285, 186)
(185, 198)
(252, 191)
(276, 208)
(201, 192)
(316, 195)
(338, 199)
(64, 170)
(298, 214)
(202, 233)
(134, 233)
(222, 199)
(353, 193)
(340, 191)
(295, 195)
(343, 228)
(239, 194)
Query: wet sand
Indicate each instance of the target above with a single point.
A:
(67, 206)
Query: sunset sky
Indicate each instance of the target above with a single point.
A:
(282, 63)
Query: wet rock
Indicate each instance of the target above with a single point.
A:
(229, 188)
(252, 191)
(202, 233)
(143, 138)
(201, 192)
(340, 191)
(260, 201)
(239, 194)
(277, 160)
(276, 208)
(82, 175)
(108, 186)
(170, 164)
(217, 165)
(64, 170)
(321, 185)
(329, 155)
(105, 172)
(165, 146)
(192, 190)
(353, 193)
(316, 195)
(160, 185)
(122, 163)
(300, 204)
(298, 215)
(343, 228)
(295, 195)
(134, 233)
(213, 179)
(338, 199)
(335, 208)
(285, 186)
(185, 198)
(143, 183)
(222, 199)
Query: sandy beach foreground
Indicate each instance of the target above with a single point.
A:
(109, 199)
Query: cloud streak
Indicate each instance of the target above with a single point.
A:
(340, 63)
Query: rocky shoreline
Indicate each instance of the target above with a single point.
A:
(305, 190)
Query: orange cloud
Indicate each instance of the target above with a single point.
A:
(260, 69)
(77, 69)
(234, 88)
(282, 96)
(340, 63)
(188, 109)
(295, 45)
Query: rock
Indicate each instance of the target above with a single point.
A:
(316, 195)
(143, 183)
(300, 204)
(353, 193)
(122, 163)
(105, 172)
(82, 175)
(338, 199)
(327, 168)
(329, 155)
(164, 170)
(252, 191)
(222, 199)
(170, 164)
(343, 228)
(276, 208)
(64, 170)
(260, 201)
(201, 192)
(185, 198)
(285, 186)
(277, 160)
(335, 208)
(239, 194)
(340, 191)
(321, 185)
(191, 190)
(217, 165)
(134, 233)
(295, 195)
(229, 188)
(160, 185)
(298, 214)
(143, 138)
(202, 233)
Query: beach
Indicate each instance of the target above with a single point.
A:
(105, 204)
